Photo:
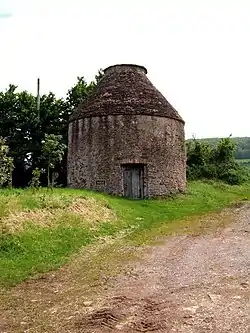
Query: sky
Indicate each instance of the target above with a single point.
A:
(197, 52)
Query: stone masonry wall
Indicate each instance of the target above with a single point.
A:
(98, 146)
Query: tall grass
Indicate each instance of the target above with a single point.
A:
(41, 247)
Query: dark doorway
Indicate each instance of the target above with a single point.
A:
(133, 181)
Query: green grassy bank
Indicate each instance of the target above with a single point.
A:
(40, 230)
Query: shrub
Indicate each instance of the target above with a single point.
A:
(214, 162)
(35, 182)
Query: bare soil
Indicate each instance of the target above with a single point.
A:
(190, 284)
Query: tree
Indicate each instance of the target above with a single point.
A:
(53, 151)
(24, 134)
(224, 152)
(35, 182)
(6, 164)
(17, 124)
(81, 90)
(99, 76)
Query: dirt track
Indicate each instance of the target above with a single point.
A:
(190, 284)
(187, 284)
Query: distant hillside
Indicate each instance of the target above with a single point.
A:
(243, 145)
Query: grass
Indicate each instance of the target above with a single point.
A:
(40, 231)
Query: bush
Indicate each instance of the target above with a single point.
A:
(215, 162)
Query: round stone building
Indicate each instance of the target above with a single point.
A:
(127, 139)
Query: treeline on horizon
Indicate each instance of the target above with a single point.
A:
(242, 145)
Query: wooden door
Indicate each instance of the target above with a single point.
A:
(133, 181)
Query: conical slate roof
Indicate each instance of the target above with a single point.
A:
(125, 90)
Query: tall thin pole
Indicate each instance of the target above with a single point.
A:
(38, 99)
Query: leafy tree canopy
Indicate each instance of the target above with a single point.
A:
(6, 164)
(24, 134)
